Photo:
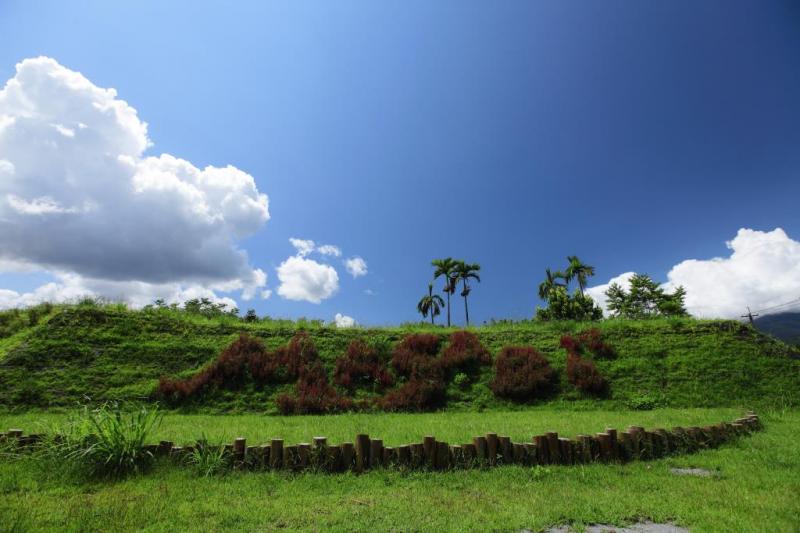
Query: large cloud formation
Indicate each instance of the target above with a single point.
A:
(79, 198)
(762, 272)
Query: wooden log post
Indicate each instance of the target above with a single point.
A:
(491, 448)
(604, 440)
(542, 449)
(565, 450)
(636, 441)
(276, 454)
(695, 437)
(553, 448)
(320, 456)
(626, 446)
(680, 439)
(239, 451)
(663, 441)
(470, 455)
(417, 455)
(334, 458)
(443, 460)
(388, 456)
(304, 454)
(348, 456)
(519, 453)
(291, 460)
(375, 453)
(362, 452)
(165, 446)
(612, 433)
(404, 455)
(585, 445)
(531, 454)
(505, 449)
(429, 449)
(481, 450)
(265, 449)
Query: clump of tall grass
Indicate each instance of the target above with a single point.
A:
(104, 442)
(209, 459)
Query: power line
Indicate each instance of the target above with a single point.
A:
(790, 302)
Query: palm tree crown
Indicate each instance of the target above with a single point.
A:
(550, 282)
(578, 271)
(432, 303)
(446, 267)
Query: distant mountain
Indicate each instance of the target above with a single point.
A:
(785, 326)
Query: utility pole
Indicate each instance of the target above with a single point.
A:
(749, 316)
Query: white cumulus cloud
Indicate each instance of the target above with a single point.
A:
(762, 271)
(344, 321)
(356, 266)
(304, 279)
(79, 197)
(329, 249)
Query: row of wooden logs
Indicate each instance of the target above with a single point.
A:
(489, 450)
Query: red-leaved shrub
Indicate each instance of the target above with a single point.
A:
(415, 354)
(314, 394)
(522, 374)
(246, 358)
(297, 355)
(464, 353)
(584, 375)
(588, 342)
(229, 370)
(417, 394)
(361, 366)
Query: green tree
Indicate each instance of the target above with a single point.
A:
(446, 268)
(578, 271)
(432, 303)
(550, 282)
(563, 306)
(645, 299)
(464, 272)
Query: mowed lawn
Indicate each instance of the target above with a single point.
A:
(754, 487)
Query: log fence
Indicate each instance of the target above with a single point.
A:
(366, 453)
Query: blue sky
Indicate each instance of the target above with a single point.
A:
(636, 135)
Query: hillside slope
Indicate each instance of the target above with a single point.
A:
(109, 352)
(784, 326)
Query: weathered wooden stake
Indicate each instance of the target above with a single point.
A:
(375, 453)
(304, 453)
(429, 447)
(348, 455)
(491, 448)
(276, 454)
(553, 448)
(481, 454)
(362, 452)
(542, 449)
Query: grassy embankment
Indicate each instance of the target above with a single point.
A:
(754, 486)
(109, 352)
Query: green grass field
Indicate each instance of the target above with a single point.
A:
(699, 372)
(754, 488)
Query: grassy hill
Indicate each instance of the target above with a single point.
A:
(57, 356)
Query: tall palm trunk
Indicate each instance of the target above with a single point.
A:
(466, 307)
(448, 305)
